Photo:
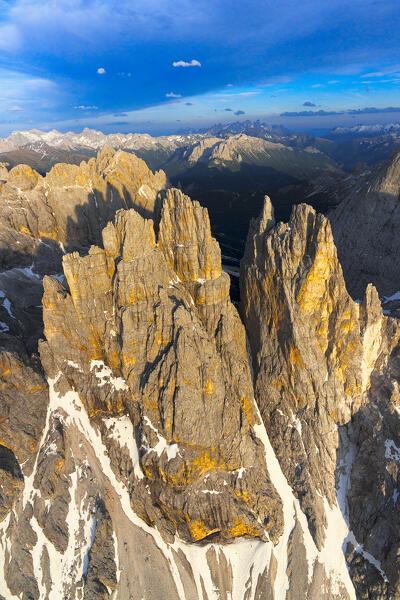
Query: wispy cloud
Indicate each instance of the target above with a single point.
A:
(372, 110)
(183, 63)
(173, 95)
(83, 107)
(270, 81)
(350, 111)
(234, 94)
(101, 71)
(23, 89)
(15, 109)
(312, 113)
(228, 109)
(317, 85)
(382, 72)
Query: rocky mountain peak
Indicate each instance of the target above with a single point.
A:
(161, 446)
(126, 326)
(324, 347)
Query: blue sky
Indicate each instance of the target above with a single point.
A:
(67, 64)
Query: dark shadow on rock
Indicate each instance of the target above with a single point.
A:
(368, 455)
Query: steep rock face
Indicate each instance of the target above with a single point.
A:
(126, 335)
(147, 465)
(373, 445)
(238, 152)
(44, 217)
(314, 350)
(72, 204)
(365, 226)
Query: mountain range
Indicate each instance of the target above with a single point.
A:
(158, 440)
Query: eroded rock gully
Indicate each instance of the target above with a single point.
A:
(142, 458)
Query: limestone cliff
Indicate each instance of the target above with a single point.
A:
(366, 225)
(160, 446)
(72, 204)
(315, 353)
(44, 217)
(128, 335)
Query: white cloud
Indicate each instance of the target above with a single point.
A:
(17, 86)
(10, 38)
(225, 95)
(333, 81)
(317, 85)
(172, 95)
(376, 74)
(15, 109)
(182, 63)
(83, 107)
(101, 71)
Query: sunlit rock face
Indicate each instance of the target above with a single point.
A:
(134, 343)
(44, 217)
(161, 447)
(72, 204)
(320, 359)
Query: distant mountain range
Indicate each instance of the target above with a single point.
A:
(374, 129)
(346, 146)
(230, 167)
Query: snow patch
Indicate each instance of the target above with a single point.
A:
(121, 430)
(104, 375)
(171, 450)
(392, 452)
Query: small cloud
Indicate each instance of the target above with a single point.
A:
(253, 93)
(83, 107)
(120, 114)
(317, 85)
(239, 112)
(178, 120)
(228, 110)
(101, 71)
(229, 85)
(308, 103)
(270, 81)
(375, 74)
(188, 103)
(311, 113)
(15, 109)
(183, 63)
(172, 95)
(273, 96)
(333, 81)
(125, 74)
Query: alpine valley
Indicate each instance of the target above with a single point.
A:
(165, 435)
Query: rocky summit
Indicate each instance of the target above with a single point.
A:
(158, 442)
